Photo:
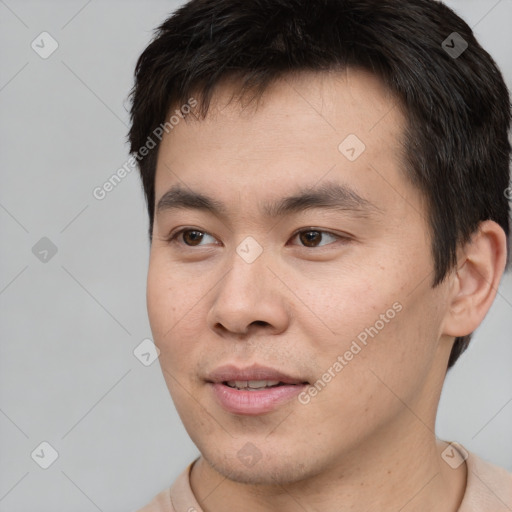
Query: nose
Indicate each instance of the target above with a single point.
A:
(248, 299)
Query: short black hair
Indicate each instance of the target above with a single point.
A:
(456, 103)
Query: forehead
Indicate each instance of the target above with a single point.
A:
(342, 126)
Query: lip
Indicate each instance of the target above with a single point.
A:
(254, 372)
(252, 403)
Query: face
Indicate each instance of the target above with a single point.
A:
(311, 266)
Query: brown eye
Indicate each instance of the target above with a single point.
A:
(192, 237)
(312, 238)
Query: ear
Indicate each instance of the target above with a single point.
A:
(480, 266)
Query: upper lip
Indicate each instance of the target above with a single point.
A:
(230, 372)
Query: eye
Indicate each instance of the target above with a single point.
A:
(191, 237)
(312, 238)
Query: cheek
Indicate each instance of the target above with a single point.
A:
(169, 294)
(167, 305)
(397, 356)
(379, 323)
(338, 309)
(161, 309)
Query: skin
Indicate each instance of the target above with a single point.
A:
(367, 440)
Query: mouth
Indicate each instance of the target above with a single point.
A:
(255, 376)
(253, 390)
(253, 385)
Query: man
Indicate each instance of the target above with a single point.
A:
(326, 185)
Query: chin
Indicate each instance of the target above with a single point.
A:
(271, 469)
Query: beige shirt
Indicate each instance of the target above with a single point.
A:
(488, 489)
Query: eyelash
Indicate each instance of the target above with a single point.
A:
(173, 236)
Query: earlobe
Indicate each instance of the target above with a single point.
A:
(480, 266)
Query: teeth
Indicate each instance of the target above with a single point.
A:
(256, 384)
(252, 384)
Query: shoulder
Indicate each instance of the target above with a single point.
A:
(160, 503)
(489, 487)
(177, 497)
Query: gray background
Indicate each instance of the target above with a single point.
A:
(68, 374)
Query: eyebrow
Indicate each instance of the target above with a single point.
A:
(329, 196)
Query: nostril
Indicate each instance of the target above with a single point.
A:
(260, 323)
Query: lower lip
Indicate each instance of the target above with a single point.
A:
(254, 402)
